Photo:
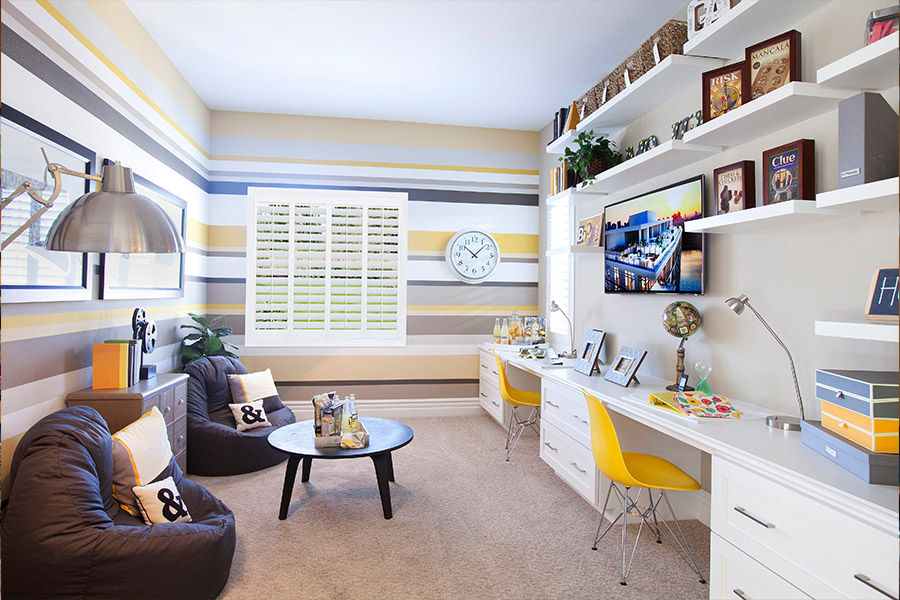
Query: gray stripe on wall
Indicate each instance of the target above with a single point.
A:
(465, 325)
(413, 390)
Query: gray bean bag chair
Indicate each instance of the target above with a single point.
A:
(214, 445)
(64, 535)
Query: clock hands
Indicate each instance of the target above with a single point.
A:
(479, 250)
(474, 254)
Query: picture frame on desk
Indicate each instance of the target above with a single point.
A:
(883, 300)
(590, 231)
(772, 63)
(734, 187)
(725, 89)
(623, 369)
(588, 358)
(789, 172)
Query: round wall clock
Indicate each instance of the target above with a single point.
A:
(472, 255)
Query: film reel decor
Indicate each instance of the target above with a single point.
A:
(145, 332)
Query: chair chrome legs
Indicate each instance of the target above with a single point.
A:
(630, 506)
(517, 426)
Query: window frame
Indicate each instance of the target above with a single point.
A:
(558, 338)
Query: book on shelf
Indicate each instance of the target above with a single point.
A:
(110, 366)
(134, 359)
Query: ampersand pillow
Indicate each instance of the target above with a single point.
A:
(141, 452)
(249, 415)
(160, 502)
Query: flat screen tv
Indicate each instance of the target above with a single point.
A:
(647, 249)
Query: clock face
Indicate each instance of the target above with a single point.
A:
(472, 255)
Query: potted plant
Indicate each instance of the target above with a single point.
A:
(593, 156)
(207, 341)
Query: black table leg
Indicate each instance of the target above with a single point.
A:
(307, 463)
(390, 464)
(289, 476)
(384, 474)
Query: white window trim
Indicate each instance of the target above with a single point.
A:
(327, 338)
(561, 342)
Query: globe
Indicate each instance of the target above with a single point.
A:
(681, 319)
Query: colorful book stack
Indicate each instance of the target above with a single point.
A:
(117, 364)
(562, 179)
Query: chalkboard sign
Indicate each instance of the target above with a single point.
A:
(883, 300)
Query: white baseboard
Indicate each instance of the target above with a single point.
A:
(392, 409)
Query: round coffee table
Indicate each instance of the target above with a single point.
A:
(298, 440)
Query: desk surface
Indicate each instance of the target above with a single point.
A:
(774, 453)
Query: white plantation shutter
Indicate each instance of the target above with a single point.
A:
(326, 268)
(559, 269)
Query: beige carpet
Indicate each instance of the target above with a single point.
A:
(467, 524)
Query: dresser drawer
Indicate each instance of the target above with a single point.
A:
(490, 400)
(566, 409)
(487, 368)
(572, 462)
(736, 576)
(180, 405)
(816, 547)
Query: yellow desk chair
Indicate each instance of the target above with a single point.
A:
(517, 398)
(643, 471)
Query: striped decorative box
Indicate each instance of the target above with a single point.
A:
(862, 406)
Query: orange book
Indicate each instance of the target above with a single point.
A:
(110, 366)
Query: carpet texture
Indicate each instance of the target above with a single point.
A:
(467, 525)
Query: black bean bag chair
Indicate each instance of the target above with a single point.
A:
(64, 535)
(214, 445)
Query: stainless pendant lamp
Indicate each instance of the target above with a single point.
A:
(114, 219)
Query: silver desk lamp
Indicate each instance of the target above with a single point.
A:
(554, 307)
(778, 421)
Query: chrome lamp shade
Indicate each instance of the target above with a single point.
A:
(114, 219)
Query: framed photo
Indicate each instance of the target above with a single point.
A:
(883, 302)
(773, 63)
(590, 231)
(623, 369)
(724, 89)
(588, 357)
(735, 187)
(789, 172)
(31, 273)
(136, 276)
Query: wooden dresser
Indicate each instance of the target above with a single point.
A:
(122, 406)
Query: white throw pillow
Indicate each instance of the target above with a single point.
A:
(160, 502)
(249, 415)
(252, 386)
(141, 451)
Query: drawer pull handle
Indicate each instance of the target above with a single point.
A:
(551, 447)
(839, 395)
(483, 395)
(744, 512)
(167, 409)
(495, 373)
(494, 402)
(484, 366)
(579, 419)
(577, 468)
(868, 582)
(180, 401)
(740, 594)
(553, 405)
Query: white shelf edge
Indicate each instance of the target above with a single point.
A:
(874, 196)
(841, 73)
(876, 332)
(586, 249)
(657, 153)
(573, 193)
(558, 146)
(706, 33)
(764, 217)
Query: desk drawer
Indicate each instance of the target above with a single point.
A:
(572, 462)
(490, 400)
(817, 548)
(566, 409)
(734, 575)
(487, 367)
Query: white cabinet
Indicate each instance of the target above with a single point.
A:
(489, 387)
(824, 552)
(736, 576)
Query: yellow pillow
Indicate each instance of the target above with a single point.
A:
(141, 452)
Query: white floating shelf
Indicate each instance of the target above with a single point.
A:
(874, 196)
(573, 194)
(878, 332)
(673, 75)
(558, 146)
(873, 67)
(749, 22)
(666, 157)
(793, 212)
(792, 103)
(587, 249)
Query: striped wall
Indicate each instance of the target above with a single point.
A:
(89, 71)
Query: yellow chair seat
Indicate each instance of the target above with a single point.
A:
(522, 397)
(651, 471)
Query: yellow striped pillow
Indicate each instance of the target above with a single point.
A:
(141, 452)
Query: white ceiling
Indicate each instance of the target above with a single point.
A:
(489, 63)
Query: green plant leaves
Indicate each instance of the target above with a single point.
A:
(205, 340)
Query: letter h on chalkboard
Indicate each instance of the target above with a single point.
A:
(883, 299)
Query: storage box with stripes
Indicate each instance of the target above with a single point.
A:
(861, 406)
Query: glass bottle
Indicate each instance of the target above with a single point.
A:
(504, 332)
(497, 330)
(352, 416)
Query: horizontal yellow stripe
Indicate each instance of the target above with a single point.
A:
(436, 241)
(225, 309)
(342, 368)
(487, 312)
(232, 236)
(362, 163)
(197, 232)
(117, 71)
(18, 321)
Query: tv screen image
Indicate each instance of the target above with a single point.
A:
(647, 249)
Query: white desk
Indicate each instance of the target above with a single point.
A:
(830, 525)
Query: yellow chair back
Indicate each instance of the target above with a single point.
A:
(510, 394)
(605, 444)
